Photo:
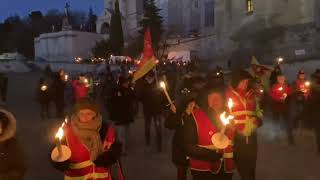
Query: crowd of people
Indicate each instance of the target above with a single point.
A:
(215, 117)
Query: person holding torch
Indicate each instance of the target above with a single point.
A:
(280, 94)
(208, 139)
(90, 150)
(247, 118)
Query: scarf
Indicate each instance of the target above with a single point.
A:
(88, 133)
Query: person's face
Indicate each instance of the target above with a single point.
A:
(301, 76)
(190, 107)
(281, 80)
(61, 73)
(215, 101)
(86, 115)
(243, 84)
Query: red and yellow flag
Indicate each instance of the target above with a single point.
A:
(148, 61)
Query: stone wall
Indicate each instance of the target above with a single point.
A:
(65, 45)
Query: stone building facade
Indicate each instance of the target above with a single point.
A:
(267, 29)
(131, 12)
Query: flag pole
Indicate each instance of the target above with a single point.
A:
(156, 73)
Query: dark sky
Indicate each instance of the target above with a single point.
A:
(23, 7)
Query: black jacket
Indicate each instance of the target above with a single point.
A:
(175, 122)
(122, 102)
(58, 88)
(151, 97)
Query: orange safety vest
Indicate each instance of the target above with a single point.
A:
(206, 130)
(245, 110)
(81, 167)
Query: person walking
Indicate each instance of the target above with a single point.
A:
(92, 144)
(122, 110)
(247, 118)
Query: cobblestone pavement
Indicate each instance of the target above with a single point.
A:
(276, 161)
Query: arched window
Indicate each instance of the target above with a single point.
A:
(105, 28)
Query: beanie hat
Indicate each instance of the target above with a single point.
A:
(238, 76)
(86, 103)
(301, 71)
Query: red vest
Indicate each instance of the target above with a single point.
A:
(206, 130)
(82, 168)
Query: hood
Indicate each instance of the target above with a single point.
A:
(11, 129)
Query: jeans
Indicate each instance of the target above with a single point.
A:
(157, 124)
(122, 135)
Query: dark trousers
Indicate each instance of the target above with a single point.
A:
(181, 173)
(44, 108)
(157, 124)
(245, 156)
(59, 108)
(285, 122)
(198, 175)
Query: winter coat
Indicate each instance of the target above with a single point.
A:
(301, 92)
(43, 95)
(12, 166)
(175, 122)
(80, 90)
(280, 104)
(152, 97)
(58, 88)
(122, 105)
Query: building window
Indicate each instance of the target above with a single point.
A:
(196, 4)
(250, 6)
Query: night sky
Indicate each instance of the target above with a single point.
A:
(23, 7)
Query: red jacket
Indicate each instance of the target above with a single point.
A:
(302, 88)
(247, 115)
(206, 129)
(80, 90)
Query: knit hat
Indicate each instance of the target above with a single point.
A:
(238, 76)
(86, 103)
(301, 71)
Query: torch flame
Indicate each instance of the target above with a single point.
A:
(307, 83)
(225, 120)
(66, 77)
(162, 84)
(280, 89)
(280, 60)
(44, 87)
(230, 103)
(59, 134)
